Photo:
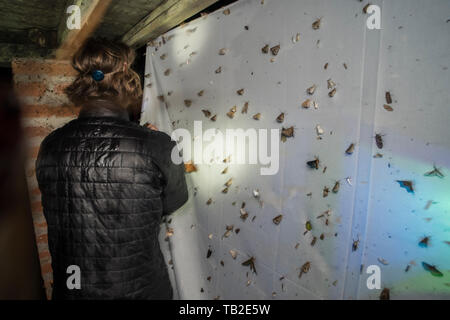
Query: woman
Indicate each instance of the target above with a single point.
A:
(105, 183)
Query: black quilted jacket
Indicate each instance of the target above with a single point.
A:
(106, 182)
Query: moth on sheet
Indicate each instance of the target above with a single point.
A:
(231, 113)
(207, 113)
(277, 219)
(228, 231)
(306, 104)
(407, 185)
(388, 97)
(350, 149)
(244, 213)
(245, 108)
(311, 89)
(336, 187)
(313, 164)
(379, 140)
(287, 133)
(385, 294)
(316, 24)
(388, 107)
(325, 192)
(275, 50)
(229, 182)
(432, 269)
(280, 118)
(308, 225)
(331, 84)
(424, 242)
(250, 263)
(332, 93)
(305, 268)
(190, 167)
(355, 245)
(435, 173)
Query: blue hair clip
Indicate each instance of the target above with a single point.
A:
(98, 75)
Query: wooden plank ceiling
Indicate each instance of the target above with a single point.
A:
(36, 28)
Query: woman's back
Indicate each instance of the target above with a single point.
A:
(105, 184)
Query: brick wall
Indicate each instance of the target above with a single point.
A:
(40, 84)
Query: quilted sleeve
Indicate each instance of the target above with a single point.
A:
(175, 192)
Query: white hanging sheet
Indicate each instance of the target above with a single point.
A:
(409, 57)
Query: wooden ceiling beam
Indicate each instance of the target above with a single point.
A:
(70, 41)
(166, 16)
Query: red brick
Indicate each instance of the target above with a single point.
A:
(46, 268)
(40, 225)
(33, 153)
(43, 67)
(40, 111)
(31, 172)
(30, 89)
(32, 132)
(42, 239)
(59, 88)
(35, 192)
(36, 207)
(44, 254)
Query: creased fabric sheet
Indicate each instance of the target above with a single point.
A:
(333, 238)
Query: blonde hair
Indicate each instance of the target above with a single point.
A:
(120, 82)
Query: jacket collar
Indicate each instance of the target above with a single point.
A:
(103, 108)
